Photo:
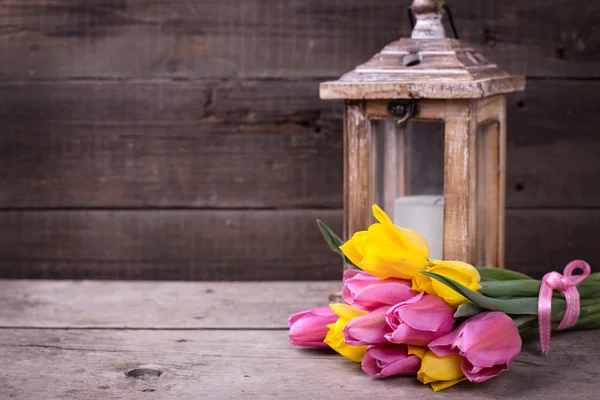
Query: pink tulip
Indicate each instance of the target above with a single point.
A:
(368, 292)
(389, 360)
(309, 328)
(368, 329)
(419, 320)
(489, 342)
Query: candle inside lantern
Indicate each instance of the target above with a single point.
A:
(424, 214)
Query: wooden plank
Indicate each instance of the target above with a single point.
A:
(93, 364)
(158, 144)
(159, 305)
(161, 166)
(553, 143)
(169, 144)
(168, 244)
(200, 38)
(240, 245)
(540, 241)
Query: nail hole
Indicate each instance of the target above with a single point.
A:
(181, 341)
(560, 53)
(411, 59)
(144, 373)
(520, 187)
(521, 104)
(209, 291)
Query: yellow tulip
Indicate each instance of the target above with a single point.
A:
(335, 337)
(441, 372)
(417, 351)
(354, 248)
(461, 272)
(386, 250)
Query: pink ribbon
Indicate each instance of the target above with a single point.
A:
(566, 284)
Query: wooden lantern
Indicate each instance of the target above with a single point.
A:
(423, 79)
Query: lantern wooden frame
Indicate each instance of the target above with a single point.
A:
(452, 83)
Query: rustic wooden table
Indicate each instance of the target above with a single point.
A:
(158, 340)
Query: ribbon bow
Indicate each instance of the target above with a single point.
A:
(566, 284)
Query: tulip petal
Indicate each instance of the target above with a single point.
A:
(353, 248)
(430, 313)
(489, 342)
(386, 293)
(408, 237)
(335, 340)
(478, 375)
(405, 334)
(346, 311)
(458, 271)
(418, 351)
(447, 344)
(437, 386)
(368, 329)
(434, 368)
(389, 360)
(309, 328)
(351, 273)
(489, 339)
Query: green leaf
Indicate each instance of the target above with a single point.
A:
(591, 321)
(589, 289)
(531, 288)
(513, 288)
(334, 242)
(595, 277)
(525, 321)
(497, 274)
(467, 310)
(516, 306)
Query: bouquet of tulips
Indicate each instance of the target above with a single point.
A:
(441, 321)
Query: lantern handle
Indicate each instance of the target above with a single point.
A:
(446, 8)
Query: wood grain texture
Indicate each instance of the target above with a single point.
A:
(169, 144)
(273, 38)
(439, 69)
(240, 245)
(202, 144)
(539, 241)
(459, 233)
(168, 245)
(552, 146)
(157, 305)
(358, 161)
(240, 349)
(93, 364)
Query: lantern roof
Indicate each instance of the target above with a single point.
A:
(424, 69)
(425, 66)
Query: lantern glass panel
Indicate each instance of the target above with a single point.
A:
(408, 176)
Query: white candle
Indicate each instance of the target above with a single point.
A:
(424, 214)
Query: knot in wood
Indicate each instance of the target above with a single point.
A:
(420, 7)
(144, 373)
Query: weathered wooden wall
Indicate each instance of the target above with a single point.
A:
(171, 139)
